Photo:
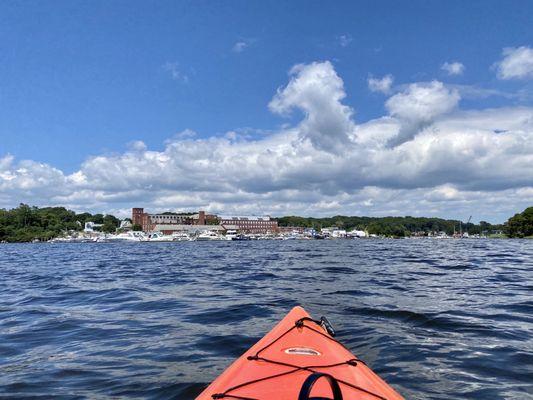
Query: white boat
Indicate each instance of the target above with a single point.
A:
(181, 237)
(132, 236)
(294, 235)
(72, 240)
(230, 234)
(289, 237)
(356, 234)
(208, 235)
(159, 237)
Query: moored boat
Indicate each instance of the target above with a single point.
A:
(208, 235)
(159, 237)
(181, 237)
(241, 237)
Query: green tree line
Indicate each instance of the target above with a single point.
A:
(521, 225)
(25, 223)
(391, 226)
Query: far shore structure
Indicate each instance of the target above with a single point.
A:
(57, 225)
(169, 223)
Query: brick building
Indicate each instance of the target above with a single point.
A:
(250, 224)
(148, 222)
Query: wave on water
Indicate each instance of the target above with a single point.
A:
(435, 319)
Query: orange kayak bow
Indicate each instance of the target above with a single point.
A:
(298, 359)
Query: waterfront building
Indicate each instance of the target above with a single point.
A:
(338, 233)
(357, 234)
(89, 227)
(125, 225)
(291, 229)
(153, 222)
(249, 224)
(333, 232)
(173, 222)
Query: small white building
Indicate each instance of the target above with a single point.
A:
(357, 234)
(333, 232)
(125, 225)
(338, 233)
(89, 227)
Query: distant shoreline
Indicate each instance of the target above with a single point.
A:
(79, 240)
(30, 224)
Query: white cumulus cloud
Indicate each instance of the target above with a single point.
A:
(453, 68)
(445, 161)
(382, 85)
(317, 90)
(517, 63)
(418, 106)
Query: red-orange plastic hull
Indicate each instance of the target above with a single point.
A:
(305, 346)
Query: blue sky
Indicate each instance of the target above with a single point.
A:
(80, 80)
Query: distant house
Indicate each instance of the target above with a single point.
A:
(333, 232)
(356, 233)
(89, 227)
(125, 225)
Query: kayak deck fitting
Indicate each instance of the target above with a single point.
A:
(297, 357)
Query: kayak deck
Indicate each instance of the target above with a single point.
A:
(278, 364)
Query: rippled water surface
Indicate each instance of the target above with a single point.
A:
(437, 319)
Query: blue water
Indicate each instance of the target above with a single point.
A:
(437, 319)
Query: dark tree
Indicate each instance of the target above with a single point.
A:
(521, 225)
